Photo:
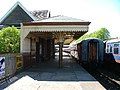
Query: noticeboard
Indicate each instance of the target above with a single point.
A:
(2, 66)
(19, 63)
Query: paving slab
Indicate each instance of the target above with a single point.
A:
(47, 76)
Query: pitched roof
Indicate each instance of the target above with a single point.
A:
(61, 18)
(58, 20)
(30, 16)
(13, 8)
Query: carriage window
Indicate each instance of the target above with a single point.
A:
(107, 48)
(110, 49)
(116, 50)
(116, 45)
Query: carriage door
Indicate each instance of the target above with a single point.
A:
(93, 53)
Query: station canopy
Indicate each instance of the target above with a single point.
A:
(53, 26)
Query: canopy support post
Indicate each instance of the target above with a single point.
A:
(61, 41)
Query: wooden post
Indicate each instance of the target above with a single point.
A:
(30, 51)
(61, 40)
(60, 54)
(53, 48)
(45, 49)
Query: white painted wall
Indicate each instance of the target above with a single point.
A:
(25, 30)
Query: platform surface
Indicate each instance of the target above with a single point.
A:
(48, 76)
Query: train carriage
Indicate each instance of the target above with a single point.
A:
(113, 49)
(91, 51)
(112, 55)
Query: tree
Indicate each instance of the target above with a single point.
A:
(102, 34)
(9, 40)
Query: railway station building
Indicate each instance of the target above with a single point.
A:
(38, 38)
(40, 32)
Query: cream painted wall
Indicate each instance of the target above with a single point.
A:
(25, 46)
(25, 42)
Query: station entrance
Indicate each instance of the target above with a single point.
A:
(42, 47)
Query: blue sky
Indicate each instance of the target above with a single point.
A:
(101, 13)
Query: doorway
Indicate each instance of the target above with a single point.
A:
(93, 51)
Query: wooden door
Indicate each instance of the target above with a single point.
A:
(93, 53)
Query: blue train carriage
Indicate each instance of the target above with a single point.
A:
(113, 49)
(91, 51)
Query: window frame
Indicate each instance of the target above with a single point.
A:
(116, 46)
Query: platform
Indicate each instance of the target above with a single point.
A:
(48, 76)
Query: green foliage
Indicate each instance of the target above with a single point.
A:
(9, 40)
(102, 34)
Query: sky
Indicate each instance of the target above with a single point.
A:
(101, 13)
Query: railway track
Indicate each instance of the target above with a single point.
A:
(110, 80)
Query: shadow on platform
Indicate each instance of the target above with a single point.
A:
(49, 71)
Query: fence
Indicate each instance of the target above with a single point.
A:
(10, 64)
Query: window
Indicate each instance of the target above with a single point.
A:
(116, 48)
(107, 50)
(110, 49)
(116, 45)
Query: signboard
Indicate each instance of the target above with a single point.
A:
(2, 66)
(19, 62)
